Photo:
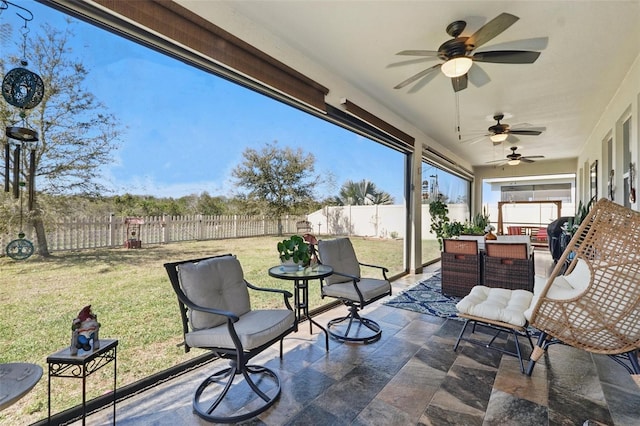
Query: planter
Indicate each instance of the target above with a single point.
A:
(289, 266)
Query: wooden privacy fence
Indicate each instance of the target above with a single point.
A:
(111, 231)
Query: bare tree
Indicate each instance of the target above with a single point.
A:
(279, 180)
(77, 134)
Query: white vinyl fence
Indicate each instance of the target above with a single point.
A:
(95, 232)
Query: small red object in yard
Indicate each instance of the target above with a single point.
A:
(133, 240)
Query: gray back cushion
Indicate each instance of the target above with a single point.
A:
(214, 283)
(339, 254)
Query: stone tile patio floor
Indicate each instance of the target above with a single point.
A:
(411, 376)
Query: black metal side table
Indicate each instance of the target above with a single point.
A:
(82, 365)
(301, 280)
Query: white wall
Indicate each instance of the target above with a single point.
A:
(379, 221)
(624, 102)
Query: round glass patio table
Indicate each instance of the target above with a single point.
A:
(301, 278)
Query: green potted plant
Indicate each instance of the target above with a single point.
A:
(294, 252)
(439, 219)
(573, 223)
(441, 225)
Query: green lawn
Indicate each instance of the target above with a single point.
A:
(131, 294)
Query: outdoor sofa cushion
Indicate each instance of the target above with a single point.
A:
(497, 304)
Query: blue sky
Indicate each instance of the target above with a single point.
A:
(185, 130)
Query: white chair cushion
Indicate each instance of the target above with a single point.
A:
(563, 287)
(497, 304)
(369, 287)
(340, 255)
(580, 277)
(214, 283)
(254, 328)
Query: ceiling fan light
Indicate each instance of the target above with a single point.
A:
(455, 67)
(513, 162)
(498, 137)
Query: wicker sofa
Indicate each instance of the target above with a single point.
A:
(461, 266)
(508, 265)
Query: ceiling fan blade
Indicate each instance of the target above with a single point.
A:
(526, 160)
(459, 83)
(525, 132)
(537, 43)
(479, 140)
(418, 53)
(507, 56)
(417, 76)
(477, 76)
(497, 161)
(423, 82)
(532, 156)
(473, 140)
(413, 61)
(491, 29)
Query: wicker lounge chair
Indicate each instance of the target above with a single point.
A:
(596, 306)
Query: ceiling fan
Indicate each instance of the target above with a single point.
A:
(499, 132)
(457, 52)
(515, 158)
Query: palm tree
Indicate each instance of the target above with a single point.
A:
(361, 193)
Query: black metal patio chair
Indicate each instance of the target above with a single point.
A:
(216, 313)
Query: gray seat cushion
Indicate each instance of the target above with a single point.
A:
(339, 254)
(219, 283)
(254, 328)
(214, 283)
(369, 287)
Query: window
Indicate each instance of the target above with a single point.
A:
(627, 162)
(438, 183)
(539, 192)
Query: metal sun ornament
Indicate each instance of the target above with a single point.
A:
(23, 89)
(20, 87)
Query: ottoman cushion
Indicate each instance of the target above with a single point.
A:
(496, 304)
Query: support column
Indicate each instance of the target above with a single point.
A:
(414, 236)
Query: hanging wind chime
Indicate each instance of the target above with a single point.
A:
(22, 89)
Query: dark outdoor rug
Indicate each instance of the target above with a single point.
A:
(426, 297)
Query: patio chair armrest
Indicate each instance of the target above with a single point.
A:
(230, 315)
(374, 266)
(286, 294)
(382, 268)
(355, 281)
(354, 278)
